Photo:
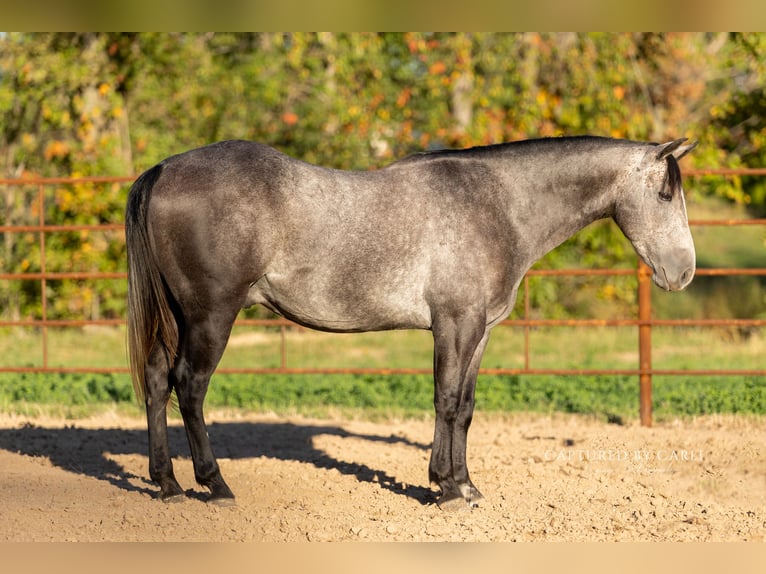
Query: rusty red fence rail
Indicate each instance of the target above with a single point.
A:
(644, 321)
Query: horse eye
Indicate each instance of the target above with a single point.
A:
(665, 196)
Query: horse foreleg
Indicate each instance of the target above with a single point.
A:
(458, 348)
(157, 394)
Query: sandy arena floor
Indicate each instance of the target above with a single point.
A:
(544, 478)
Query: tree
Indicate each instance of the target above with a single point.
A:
(736, 125)
(58, 110)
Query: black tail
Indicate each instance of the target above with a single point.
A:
(149, 313)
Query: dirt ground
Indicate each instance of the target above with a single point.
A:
(544, 478)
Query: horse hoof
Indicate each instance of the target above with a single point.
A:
(456, 504)
(468, 499)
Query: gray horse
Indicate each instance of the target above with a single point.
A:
(437, 241)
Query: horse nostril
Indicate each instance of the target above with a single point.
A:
(686, 276)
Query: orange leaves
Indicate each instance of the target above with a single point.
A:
(437, 68)
(404, 97)
(377, 100)
(56, 150)
(290, 118)
(417, 43)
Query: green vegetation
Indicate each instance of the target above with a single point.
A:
(609, 398)
(613, 398)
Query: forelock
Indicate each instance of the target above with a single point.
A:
(672, 182)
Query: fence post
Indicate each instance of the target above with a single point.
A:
(645, 342)
(43, 271)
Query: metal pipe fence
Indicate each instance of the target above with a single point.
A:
(644, 321)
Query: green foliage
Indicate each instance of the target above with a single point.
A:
(64, 389)
(735, 125)
(102, 103)
(407, 393)
(610, 398)
(710, 395)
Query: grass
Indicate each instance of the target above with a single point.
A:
(550, 347)
(740, 246)
(612, 398)
(609, 398)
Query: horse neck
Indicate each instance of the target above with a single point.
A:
(552, 201)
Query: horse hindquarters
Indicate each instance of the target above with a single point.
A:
(175, 342)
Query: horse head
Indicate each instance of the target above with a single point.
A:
(651, 212)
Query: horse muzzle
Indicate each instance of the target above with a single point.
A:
(673, 277)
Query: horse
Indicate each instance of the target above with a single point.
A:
(439, 240)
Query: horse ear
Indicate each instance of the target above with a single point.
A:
(675, 149)
(684, 149)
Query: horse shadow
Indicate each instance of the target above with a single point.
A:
(86, 451)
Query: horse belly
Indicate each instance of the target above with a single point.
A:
(313, 300)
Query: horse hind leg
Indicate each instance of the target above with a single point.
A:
(157, 395)
(202, 345)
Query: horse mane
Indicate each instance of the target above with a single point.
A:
(585, 141)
